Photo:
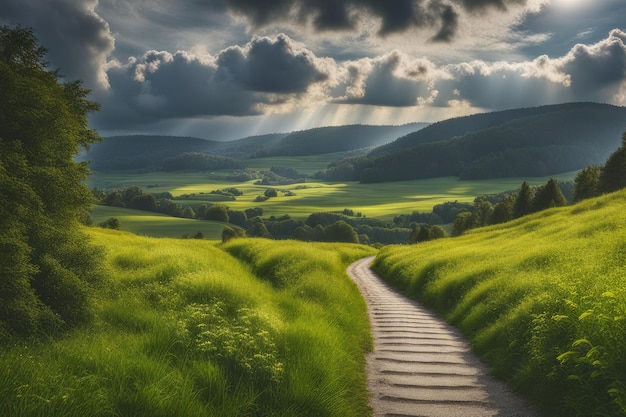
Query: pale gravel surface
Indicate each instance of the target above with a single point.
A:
(421, 366)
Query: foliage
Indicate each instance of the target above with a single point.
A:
(110, 223)
(197, 161)
(548, 196)
(186, 329)
(587, 183)
(527, 142)
(613, 174)
(47, 267)
(541, 298)
(216, 213)
(340, 231)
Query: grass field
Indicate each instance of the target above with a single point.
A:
(157, 225)
(542, 299)
(188, 328)
(384, 200)
(309, 164)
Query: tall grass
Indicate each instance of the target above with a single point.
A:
(542, 299)
(183, 328)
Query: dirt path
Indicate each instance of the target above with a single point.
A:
(421, 366)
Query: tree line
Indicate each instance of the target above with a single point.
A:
(49, 271)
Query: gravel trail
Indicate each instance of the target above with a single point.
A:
(421, 366)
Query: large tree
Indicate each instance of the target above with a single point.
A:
(47, 266)
(613, 174)
(587, 183)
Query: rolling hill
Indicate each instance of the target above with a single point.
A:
(531, 142)
(147, 153)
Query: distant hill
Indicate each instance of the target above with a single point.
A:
(531, 142)
(140, 152)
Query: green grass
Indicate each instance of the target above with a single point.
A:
(157, 225)
(542, 299)
(189, 328)
(383, 201)
(307, 164)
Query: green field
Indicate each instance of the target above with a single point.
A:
(307, 164)
(157, 225)
(541, 298)
(383, 200)
(187, 328)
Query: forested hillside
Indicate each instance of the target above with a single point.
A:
(533, 142)
(149, 153)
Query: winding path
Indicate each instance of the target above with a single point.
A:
(421, 366)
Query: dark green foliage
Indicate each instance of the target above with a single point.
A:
(258, 229)
(587, 183)
(463, 222)
(228, 233)
(341, 232)
(534, 142)
(482, 211)
(524, 201)
(613, 174)
(47, 267)
(146, 202)
(286, 172)
(217, 213)
(548, 196)
(425, 232)
(270, 192)
(238, 218)
(283, 228)
(253, 212)
(112, 223)
(503, 211)
(449, 210)
(196, 161)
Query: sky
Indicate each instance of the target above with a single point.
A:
(226, 69)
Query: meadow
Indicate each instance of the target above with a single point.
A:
(157, 225)
(383, 200)
(197, 328)
(542, 299)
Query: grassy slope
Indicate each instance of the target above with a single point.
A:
(542, 299)
(183, 328)
(157, 225)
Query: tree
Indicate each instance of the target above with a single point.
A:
(613, 174)
(341, 231)
(217, 213)
(258, 229)
(188, 213)
(524, 201)
(548, 196)
(462, 223)
(111, 223)
(270, 192)
(145, 202)
(587, 183)
(482, 212)
(228, 233)
(47, 267)
(503, 211)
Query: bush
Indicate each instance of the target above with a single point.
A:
(111, 223)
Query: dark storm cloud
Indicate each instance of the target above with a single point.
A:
(77, 39)
(475, 5)
(161, 85)
(597, 69)
(394, 16)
